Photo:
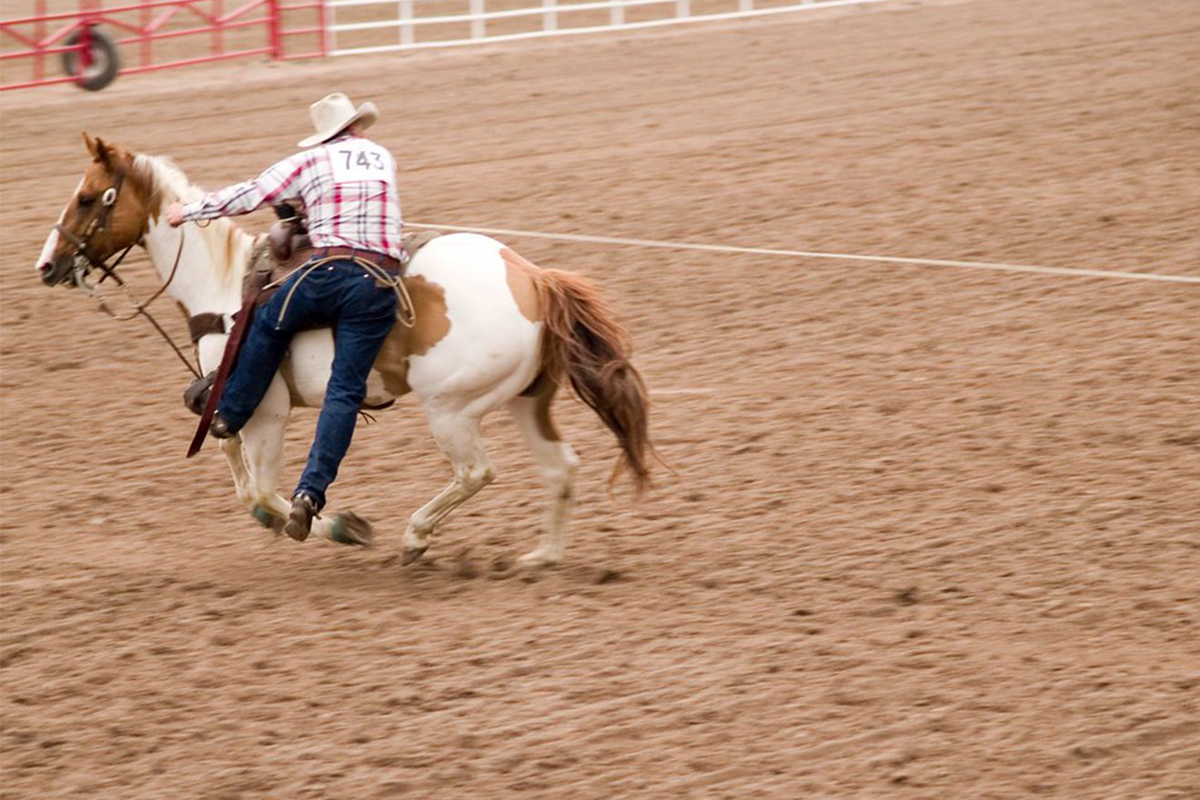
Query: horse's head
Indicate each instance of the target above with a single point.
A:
(109, 212)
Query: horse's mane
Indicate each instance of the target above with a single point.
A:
(164, 182)
(163, 175)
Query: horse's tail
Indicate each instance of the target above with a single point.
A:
(582, 342)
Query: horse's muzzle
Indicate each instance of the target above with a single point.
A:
(58, 270)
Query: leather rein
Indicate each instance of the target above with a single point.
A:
(85, 261)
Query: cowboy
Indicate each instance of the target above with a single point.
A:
(347, 186)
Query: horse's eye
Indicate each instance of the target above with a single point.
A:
(86, 200)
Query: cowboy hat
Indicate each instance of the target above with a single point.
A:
(334, 113)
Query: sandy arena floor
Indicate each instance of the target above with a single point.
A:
(933, 533)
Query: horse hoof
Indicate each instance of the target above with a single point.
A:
(411, 554)
(537, 560)
(267, 519)
(350, 528)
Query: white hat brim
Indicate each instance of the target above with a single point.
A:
(367, 114)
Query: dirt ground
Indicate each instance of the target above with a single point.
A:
(932, 533)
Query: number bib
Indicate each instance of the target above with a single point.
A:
(357, 160)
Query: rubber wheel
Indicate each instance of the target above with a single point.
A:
(106, 63)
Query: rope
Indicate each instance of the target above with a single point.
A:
(406, 312)
(928, 262)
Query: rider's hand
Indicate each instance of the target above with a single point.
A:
(175, 214)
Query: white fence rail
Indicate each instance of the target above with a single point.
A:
(372, 26)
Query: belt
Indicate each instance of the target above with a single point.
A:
(381, 260)
(385, 269)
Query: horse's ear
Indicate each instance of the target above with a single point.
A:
(101, 152)
(104, 152)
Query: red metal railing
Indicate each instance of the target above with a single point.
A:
(198, 30)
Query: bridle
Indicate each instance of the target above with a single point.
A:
(85, 261)
(98, 224)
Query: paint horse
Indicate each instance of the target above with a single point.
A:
(491, 330)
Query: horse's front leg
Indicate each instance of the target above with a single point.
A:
(261, 450)
(232, 448)
(255, 457)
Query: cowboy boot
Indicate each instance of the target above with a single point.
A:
(220, 428)
(300, 519)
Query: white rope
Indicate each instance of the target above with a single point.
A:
(928, 262)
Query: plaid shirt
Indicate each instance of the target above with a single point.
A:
(343, 209)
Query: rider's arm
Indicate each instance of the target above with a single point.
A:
(280, 182)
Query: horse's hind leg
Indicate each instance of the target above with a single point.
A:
(558, 464)
(458, 436)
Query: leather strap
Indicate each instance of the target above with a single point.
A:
(201, 325)
(381, 260)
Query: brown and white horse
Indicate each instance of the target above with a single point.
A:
(491, 330)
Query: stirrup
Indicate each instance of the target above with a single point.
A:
(195, 396)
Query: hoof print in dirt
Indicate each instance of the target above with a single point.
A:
(465, 568)
(349, 528)
(502, 569)
(609, 576)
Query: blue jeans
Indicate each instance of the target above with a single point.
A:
(361, 312)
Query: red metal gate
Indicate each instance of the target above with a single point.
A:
(155, 35)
